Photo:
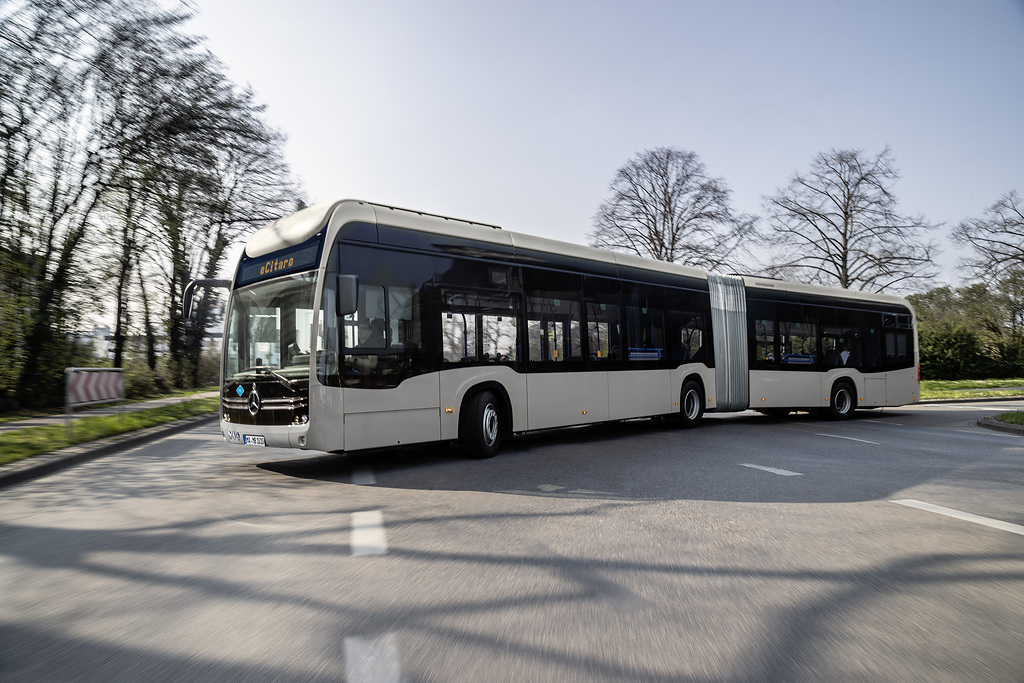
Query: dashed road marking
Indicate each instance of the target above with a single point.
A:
(372, 660)
(965, 516)
(850, 438)
(363, 476)
(368, 537)
(773, 470)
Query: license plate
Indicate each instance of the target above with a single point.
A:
(253, 440)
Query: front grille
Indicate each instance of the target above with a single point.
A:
(274, 404)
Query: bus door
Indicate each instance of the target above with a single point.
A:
(390, 393)
(480, 344)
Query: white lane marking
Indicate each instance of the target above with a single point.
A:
(368, 537)
(965, 516)
(987, 433)
(849, 438)
(959, 406)
(773, 470)
(883, 422)
(363, 476)
(372, 660)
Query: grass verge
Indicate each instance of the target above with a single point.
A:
(1014, 418)
(24, 443)
(970, 388)
(28, 414)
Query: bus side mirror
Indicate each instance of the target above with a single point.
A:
(347, 295)
(190, 289)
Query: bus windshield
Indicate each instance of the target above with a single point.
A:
(269, 329)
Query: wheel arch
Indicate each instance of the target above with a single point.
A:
(500, 393)
(694, 376)
(851, 385)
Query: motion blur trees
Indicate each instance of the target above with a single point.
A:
(838, 225)
(997, 239)
(663, 205)
(129, 164)
(973, 331)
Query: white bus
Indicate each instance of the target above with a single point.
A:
(355, 326)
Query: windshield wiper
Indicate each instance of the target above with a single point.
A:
(259, 370)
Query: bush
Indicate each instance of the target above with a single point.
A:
(953, 354)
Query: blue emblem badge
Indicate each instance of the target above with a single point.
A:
(239, 390)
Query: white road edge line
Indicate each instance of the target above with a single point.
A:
(850, 438)
(368, 537)
(987, 432)
(363, 476)
(965, 516)
(372, 660)
(883, 422)
(773, 470)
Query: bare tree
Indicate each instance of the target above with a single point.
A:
(997, 239)
(663, 205)
(838, 225)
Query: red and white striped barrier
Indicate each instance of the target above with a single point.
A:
(86, 386)
(89, 386)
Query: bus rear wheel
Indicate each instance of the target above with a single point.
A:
(482, 426)
(691, 408)
(843, 401)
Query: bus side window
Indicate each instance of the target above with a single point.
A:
(479, 327)
(645, 324)
(604, 319)
(554, 317)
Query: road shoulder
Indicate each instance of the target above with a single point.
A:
(48, 463)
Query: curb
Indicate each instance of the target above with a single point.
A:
(972, 399)
(996, 425)
(55, 461)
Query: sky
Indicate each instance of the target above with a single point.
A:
(519, 113)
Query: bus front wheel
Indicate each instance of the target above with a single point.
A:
(481, 433)
(691, 408)
(843, 401)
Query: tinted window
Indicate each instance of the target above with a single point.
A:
(603, 312)
(554, 319)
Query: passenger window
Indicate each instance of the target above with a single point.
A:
(479, 327)
(645, 325)
(604, 319)
(553, 327)
(554, 318)
(383, 342)
(765, 349)
(798, 342)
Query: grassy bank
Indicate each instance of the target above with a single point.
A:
(24, 443)
(971, 388)
(29, 414)
(1015, 418)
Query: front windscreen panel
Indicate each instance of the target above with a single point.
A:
(270, 329)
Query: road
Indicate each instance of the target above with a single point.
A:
(748, 549)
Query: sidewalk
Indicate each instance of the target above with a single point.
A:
(110, 409)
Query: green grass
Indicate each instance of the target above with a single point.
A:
(1014, 418)
(28, 414)
(971, 388)
(24, 443)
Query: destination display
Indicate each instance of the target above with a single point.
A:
(291, 260)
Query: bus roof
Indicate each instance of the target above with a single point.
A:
(301, 226)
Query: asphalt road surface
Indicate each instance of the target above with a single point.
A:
(887, 547)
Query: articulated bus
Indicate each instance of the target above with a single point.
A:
(355, 326)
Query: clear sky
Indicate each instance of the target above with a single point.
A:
(519, 113)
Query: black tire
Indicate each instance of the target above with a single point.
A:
(482, 426)
(842, 402)
(691, 404)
